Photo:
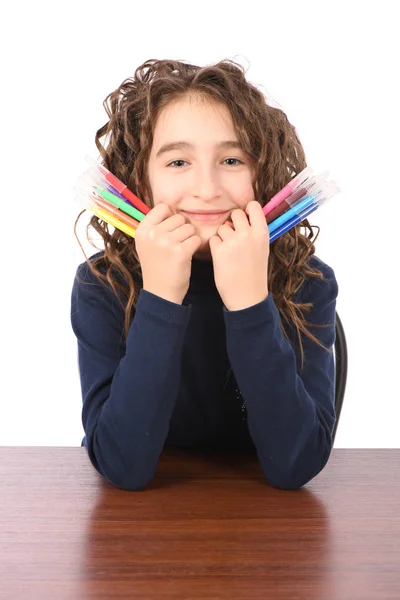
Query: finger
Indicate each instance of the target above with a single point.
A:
(157, 215)
(174, 222)
(214, 242)
(192, 244)
(226, 232)
(240, 220)
(181, 233)
(256, 217)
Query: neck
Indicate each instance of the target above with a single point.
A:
(202, 256)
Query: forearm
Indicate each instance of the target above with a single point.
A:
(290, 423)
(127, 431)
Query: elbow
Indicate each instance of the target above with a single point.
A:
(297, 476)
(129, 484)
(128, 480)
(287, 484)
(128, 476)
(295, 479)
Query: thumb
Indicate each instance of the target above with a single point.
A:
(214, 242)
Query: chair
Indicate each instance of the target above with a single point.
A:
(340, 370)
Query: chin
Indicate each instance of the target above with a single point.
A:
(205, 231)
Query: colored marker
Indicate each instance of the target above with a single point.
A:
(119, 186)
(292, 212)
(110, 208)
(286, 204)
(108, 218)
(124, 206)
(287, 190)
(292, 222)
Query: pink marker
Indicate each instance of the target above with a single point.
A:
(287, 190)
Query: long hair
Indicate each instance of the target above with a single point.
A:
(267, 136)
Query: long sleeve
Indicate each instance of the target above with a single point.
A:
(128, 390)
(290, 413)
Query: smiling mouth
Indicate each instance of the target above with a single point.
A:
(206, 216)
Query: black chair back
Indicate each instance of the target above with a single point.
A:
(340, 370)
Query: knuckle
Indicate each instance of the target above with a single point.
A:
(177, 251)
(139, 233)
(163, 242)
(190, 228)
(180, 219)
(151, 234)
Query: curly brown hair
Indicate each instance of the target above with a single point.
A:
(266, 135)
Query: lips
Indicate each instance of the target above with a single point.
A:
(206, 216)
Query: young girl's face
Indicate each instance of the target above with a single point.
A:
(201, 176)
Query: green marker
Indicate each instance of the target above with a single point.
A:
(124, 206)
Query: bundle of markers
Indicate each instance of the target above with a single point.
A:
(99, 191)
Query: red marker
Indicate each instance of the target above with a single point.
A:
(120, 187)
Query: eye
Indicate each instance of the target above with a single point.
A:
(176, 161)
(180, 161)
(237, 160)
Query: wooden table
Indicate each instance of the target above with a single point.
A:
(208, 527)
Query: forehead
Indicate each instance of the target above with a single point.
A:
(193, 112)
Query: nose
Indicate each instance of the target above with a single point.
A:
(206, 185)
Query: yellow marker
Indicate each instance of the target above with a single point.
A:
(111, 220)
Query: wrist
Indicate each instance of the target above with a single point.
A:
(176, 299)
(243, 303)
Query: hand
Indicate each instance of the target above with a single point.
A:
(165, 244)
(240, 253)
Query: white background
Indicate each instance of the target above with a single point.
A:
(332, 67)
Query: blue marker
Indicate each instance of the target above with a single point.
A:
(292, 222)
(296, 209)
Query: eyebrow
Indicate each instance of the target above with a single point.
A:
(188, 146)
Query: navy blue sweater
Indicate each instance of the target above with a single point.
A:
(167, 385)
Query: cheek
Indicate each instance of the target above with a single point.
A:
(166, 194)
(245, 196)
(164, 198)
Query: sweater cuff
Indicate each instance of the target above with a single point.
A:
(155, 306)
(263, 312)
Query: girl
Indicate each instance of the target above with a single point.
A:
(194, 334)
